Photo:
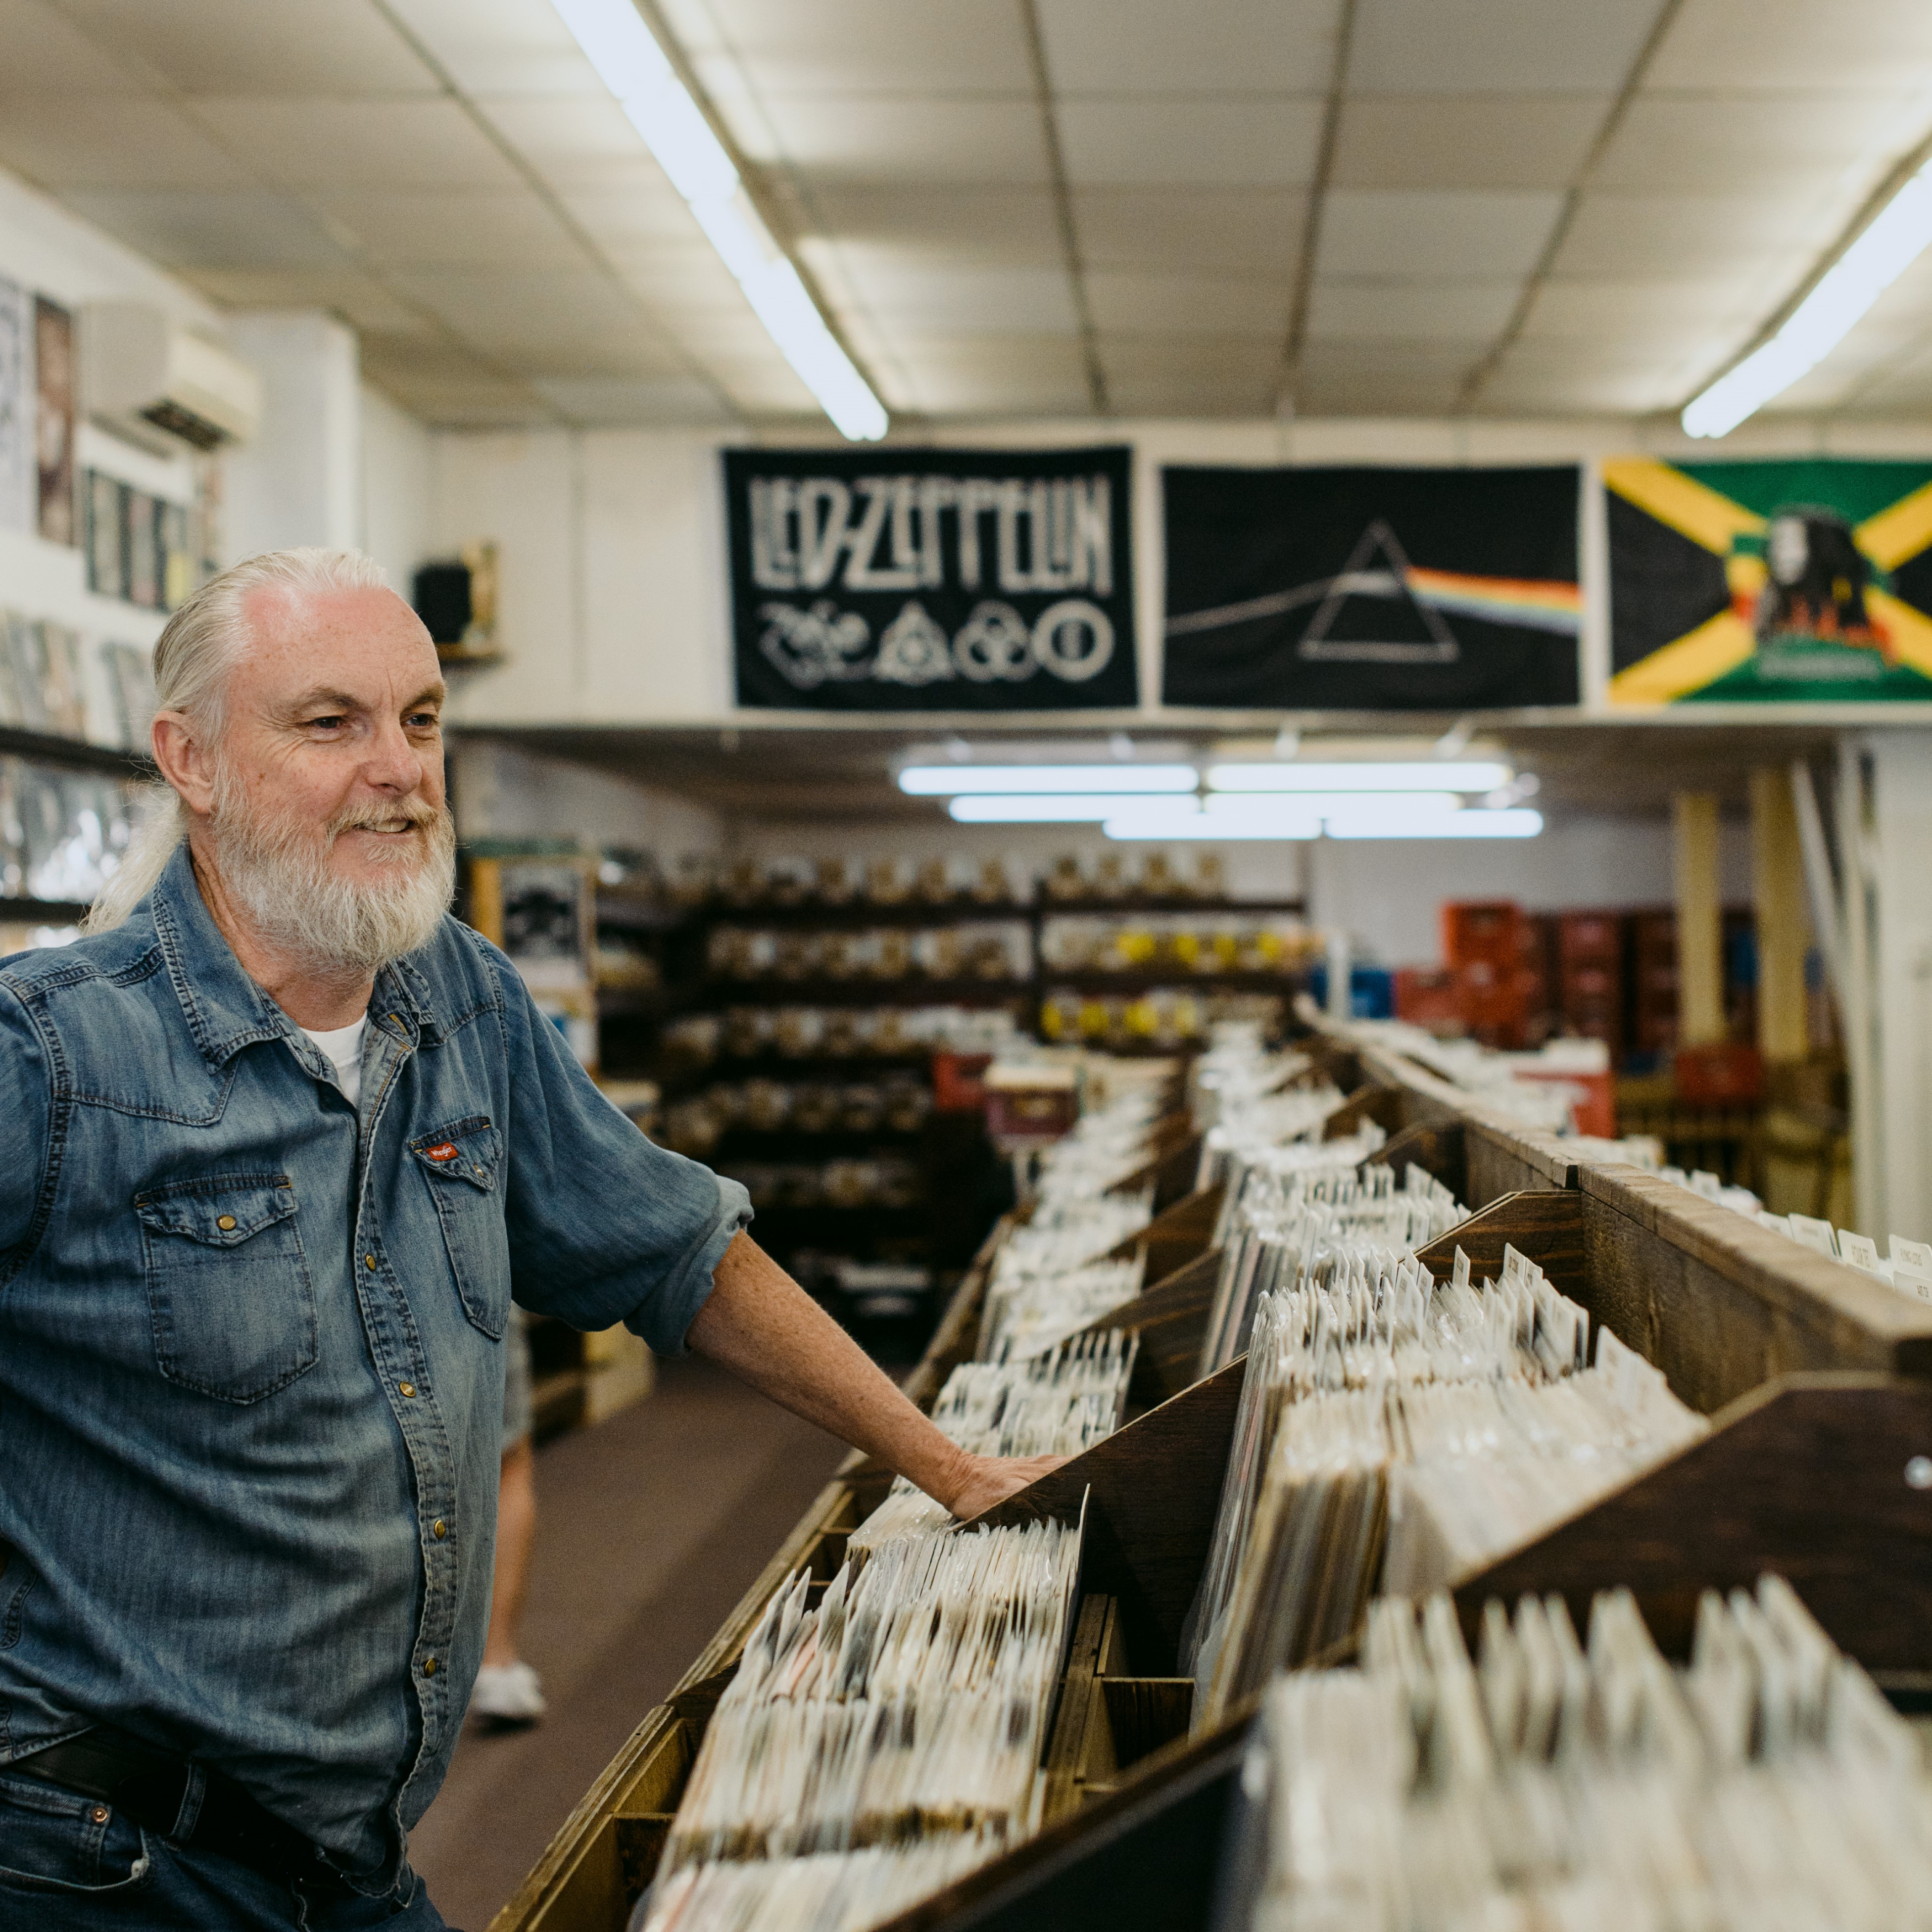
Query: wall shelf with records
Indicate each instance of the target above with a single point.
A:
(1803, 1386)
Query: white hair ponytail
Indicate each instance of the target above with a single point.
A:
(196, 651)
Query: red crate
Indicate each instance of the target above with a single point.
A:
(1723, 1075)
(959, 1084)
(1426, 996)
(1484, 931)
(1590, 939)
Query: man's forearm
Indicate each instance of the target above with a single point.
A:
(760, 1325)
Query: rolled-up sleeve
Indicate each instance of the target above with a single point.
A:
(604, 1226)
(25, 1121)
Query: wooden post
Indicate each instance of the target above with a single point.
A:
(1783, 933)
(1700, 966)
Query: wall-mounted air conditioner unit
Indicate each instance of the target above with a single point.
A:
(144, 377)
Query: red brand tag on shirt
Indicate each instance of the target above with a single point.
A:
(443, 1152)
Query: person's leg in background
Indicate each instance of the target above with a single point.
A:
(507, 1690)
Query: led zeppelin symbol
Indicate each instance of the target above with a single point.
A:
(916, 579)
(1379, 608)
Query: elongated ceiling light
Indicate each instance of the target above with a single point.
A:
(1061, 807)
(631, 64)
(1421, 775)
(1305, 815)
(951, 781)
(1895, 239)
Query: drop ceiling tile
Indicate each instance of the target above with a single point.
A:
(617, 403)
(1576, 391)
(558, 303)
(472, 406)
(1133, 302)
(359, 299)
(1703, 144)
(1588, 311)
(1882, 46)
(46, 55)
(641, 353)
(851, 140)
(1257, 231)
(1252, 361)
(1189, 143)
(342, 47)
(705, 333)
(1415, 311)
(578, 144)
(1468, 235)
(501, 47)
(761, 384)
(962, 226)
(1535, 47)
(1349, 389)
(1469, 141)
(977, 301)
(686, 283)
(1653, 236)
(1151, 47)
(324, 144)
(1045, 376)
(1182, 395)
(875, 46)
(190, 230)
(456, 227)
(65, 141)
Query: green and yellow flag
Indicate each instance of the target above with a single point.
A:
(1807, 581)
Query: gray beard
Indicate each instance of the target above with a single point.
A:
(278, 876)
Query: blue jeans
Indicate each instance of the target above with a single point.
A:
(65, 1869)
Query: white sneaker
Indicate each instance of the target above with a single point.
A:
(507, 1695)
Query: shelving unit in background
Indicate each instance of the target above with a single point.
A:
(51, 751)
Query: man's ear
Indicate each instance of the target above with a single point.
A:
(183, 757)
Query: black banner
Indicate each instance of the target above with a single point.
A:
(1371, 589)
(891, 580)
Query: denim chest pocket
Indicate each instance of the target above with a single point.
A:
(229, 1295)
(460, 1165)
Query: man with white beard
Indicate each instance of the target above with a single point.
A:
(280, 1142)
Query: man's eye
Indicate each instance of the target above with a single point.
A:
(422, 721)
(333, 722)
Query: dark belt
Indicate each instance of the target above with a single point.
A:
(150, 1787)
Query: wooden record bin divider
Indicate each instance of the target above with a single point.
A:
(1818, 1381)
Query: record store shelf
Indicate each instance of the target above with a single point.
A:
(1817, 1379)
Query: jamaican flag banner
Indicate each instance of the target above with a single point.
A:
(1805, 581)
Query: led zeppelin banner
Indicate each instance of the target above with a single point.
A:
(1804, 582)
(932, 579)
(1371, 589)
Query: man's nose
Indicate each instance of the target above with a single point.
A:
(393, 763)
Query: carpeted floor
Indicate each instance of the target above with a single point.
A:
(650, 1528)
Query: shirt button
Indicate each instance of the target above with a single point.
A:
(429, 1666)
(408, 1390)
(439, 1529)
(369, 1262)
(225, 1222)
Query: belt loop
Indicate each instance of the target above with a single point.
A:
(191, 1795)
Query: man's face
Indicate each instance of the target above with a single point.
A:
(334, 737)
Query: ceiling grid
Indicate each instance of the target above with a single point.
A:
(1008, 208)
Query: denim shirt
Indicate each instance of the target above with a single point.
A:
(251, 1348)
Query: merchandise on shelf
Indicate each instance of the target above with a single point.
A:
(61, 833)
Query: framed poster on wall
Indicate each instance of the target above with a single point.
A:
(1805, 581)
(932, 579)
(1371, 589)
(19, 485)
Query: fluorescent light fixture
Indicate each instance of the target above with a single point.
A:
(1061, 807)
(631, 64)
(1421, 775)
(1515, 823)
(1287, 821)
(949, 781)
(1893, 240)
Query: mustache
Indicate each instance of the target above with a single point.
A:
(400, 815)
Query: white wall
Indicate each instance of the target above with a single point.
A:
(503, 791)
(49, 252)
(397, 482)
(613, 545)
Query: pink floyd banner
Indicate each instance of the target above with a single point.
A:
(932, 579)
(1371, 589)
